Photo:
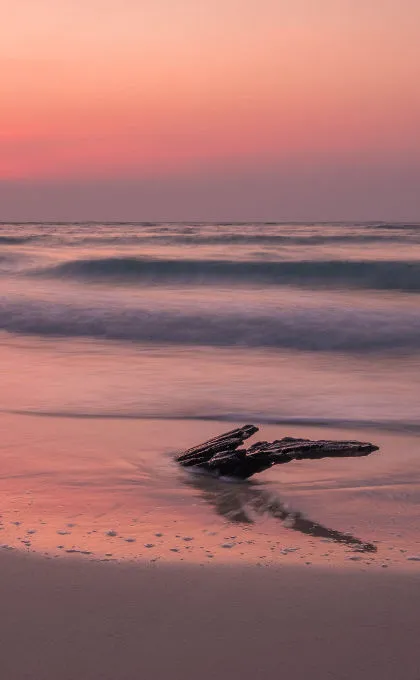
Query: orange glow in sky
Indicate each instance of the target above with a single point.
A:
(138, 88)
(101, 86)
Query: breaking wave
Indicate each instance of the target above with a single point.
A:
(241, 239)
(333, 329)
(375, 275)
(15, 240)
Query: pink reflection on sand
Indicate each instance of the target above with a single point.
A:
(110, 490)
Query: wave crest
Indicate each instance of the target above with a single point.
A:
(375, 275)
(330, 329)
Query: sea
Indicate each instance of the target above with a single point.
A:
(194, 328)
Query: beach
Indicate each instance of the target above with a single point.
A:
(69, 620)
(123, 345)
(209, 340)
(68, 488)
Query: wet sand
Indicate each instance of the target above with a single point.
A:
(74, 619)
(116, 565)
(109, 489)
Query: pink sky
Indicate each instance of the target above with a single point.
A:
(259, 109)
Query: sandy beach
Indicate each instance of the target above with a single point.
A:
(123, 345)
(209, 340)
(109, 489)
(73, 619)
(115, 570)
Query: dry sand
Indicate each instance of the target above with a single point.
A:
(77, 620)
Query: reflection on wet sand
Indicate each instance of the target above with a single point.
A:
(240, 503)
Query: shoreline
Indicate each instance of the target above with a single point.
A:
(106, 489)
(71, 619)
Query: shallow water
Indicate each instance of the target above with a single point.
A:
(120, 344)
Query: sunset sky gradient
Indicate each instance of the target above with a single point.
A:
(221, 109)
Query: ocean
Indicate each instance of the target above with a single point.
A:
(188, 327)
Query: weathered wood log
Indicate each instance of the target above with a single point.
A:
(222, 455)
(228, 441)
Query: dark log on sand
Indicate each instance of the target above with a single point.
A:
(225, 456)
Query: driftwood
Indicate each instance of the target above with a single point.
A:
(224, 455)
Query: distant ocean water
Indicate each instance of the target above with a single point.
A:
(277, 323)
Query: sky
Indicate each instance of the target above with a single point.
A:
(209, 109)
